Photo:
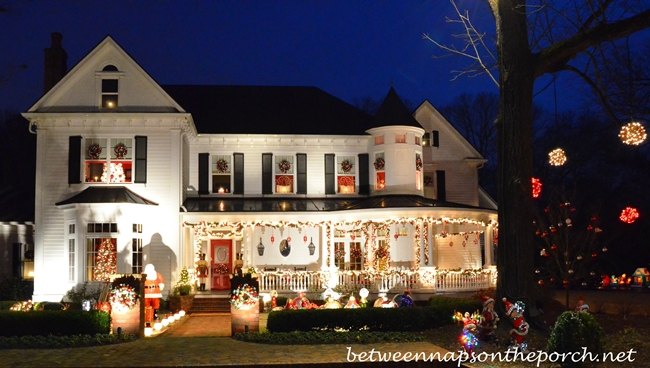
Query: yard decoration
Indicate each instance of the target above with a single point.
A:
(557, 157)
(488, 324)
(516, 313)
(244, 297)
(123, 298)
(154, 284)
(629, 215)
(468, 339)
(120, 151)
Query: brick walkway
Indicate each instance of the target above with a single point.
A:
(199, 341)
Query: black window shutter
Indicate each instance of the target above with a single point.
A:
(330, 188)
(364, 174)
(267, 173)
(204, 169)
(301, 188)
(74, 160)
(140, 159)
(238, 169)
(442, 191)
(436, 138)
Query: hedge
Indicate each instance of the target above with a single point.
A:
(60, 323)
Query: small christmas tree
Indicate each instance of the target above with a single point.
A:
(184, 284)
(105, 261)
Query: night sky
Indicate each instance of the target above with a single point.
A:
(351, 49)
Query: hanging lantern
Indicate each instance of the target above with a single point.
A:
(396, 236)
(537, 187)
(632, 134)
(629, 215)
(557, 157)
(260, 248)
(311, 247)
(272, 239)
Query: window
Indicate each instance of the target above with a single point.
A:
(418, 171)
(101, 251)
(109, 88)
(283, 174)
(400, 138)
(417, 140)
(339, 255)
(380, 173)
(379, 140)
(108, 160)
(345, 178)
(431, 139)
(136, 249)
(426, 139)
(221, 173)
(72, 252)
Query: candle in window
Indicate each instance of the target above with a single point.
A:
(95, 179)
(221, 191)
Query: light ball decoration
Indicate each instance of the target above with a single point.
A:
(557, 157)
(629, 215)
(537, 187)
(632, 134)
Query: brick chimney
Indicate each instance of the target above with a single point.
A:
(55, 62)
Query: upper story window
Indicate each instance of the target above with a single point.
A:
(418, 171)
(109, 87)
(221, 173)
(417, 140)
(379, 140)
(284, 169)
(380, 173)
(345, 174)
(400, 138)
(431, 139)
(108, 160)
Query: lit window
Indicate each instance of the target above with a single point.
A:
(221, 173)
(109, 88)
(417, 141)
(101, 251)
(339, 255)
(400, 138)
(426, 140)
(379, 140)
(108, 160)
(356, 257)
(345, 178)
(72, 252)
(283, 173)
(380, 173)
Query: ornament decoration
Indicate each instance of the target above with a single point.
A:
(222, 166)
(123, 298)
(94, 151)
(537, 187)
(284, 166)
(629, 215)
(632, 134)
(557, 157)
(346, 166)
(120, 150)
(418, 164)
(244, 297)
(379, 163)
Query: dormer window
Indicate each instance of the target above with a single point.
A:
(379, 140)
(400, 138)
(110, 76)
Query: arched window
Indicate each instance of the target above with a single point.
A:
(109, 88)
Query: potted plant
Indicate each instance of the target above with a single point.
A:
(182, 295)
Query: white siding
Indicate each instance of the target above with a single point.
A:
(457, 256)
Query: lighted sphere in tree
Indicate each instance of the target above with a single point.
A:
(557, 157)
(629, 215)
(632, 134)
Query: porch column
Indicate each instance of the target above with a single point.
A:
(247, 241)
(488, 246)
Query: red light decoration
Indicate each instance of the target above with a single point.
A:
(537, 187)
(629, 215)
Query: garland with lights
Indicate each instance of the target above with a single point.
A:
(94, 151)
(123, 298)
(418, 164)
(222, 166)
(120, 150)
(379, 163)
(284, 166)
(346, 166)
(244, 297)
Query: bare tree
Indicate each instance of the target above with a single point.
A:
(534, 38)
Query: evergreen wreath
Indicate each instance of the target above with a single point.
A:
(123, 298)
(379, 163)
(381, 252)
(346, 166)
(222, 166)
(221, 269)
(340, 254)
(120, 150)
(244, 297)
(285, 166)
(355, 253)
(94, 151)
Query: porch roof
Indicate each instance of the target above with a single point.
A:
(112, 194)
(292, 204)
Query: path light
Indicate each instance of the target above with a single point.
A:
(148, 330)
(181, 313)
(158, 325)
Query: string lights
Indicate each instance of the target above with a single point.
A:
(557, 157)
(629, 215)
(632, 134)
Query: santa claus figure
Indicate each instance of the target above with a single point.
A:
(582, 306)
(489, 319)
(153, 287)
(516, 313)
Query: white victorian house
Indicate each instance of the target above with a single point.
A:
(305, 188)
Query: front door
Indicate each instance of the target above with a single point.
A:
(221, 263)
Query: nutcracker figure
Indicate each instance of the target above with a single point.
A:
(488, 324)
(202, 267)
(153, 287)
(516, 313)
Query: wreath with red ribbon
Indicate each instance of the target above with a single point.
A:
(355, 253)
(285, 166)
(346, 166)
(221, 269)
(379, 163)
(381, 253)
(340, 254)
(94, 151)
(120, 150)
(418, 164)
(222, 166)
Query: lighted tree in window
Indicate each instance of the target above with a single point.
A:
(116, 175)
(105, 261)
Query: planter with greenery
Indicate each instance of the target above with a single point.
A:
(182, 296)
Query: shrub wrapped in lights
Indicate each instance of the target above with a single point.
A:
(123, 298)
(244, 297)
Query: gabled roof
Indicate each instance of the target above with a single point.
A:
(393, 112)
(268, 110)
(117, 194)
(267, 204)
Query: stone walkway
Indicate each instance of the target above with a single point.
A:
(203, 341)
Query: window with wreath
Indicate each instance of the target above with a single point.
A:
(101, 251)
(380, 171)
(345, 174)
(283, 174)
(356, 256)
(108, 160)
(221, 174)
(418, 171)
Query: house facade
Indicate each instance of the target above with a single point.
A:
(306, 189)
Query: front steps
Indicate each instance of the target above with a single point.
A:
(210, 305)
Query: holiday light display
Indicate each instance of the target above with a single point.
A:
(632, 134)
(557, 157)
(629, 215)
(116, 174)
(105, 261)
(537, 187)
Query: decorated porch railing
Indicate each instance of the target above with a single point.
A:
(429, 280)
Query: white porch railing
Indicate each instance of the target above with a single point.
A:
(429, 281)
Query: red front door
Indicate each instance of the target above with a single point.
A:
(221, 263)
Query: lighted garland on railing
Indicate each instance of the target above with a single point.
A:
(418, 247)
(426, 243)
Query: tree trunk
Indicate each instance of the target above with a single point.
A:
(515, 250)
